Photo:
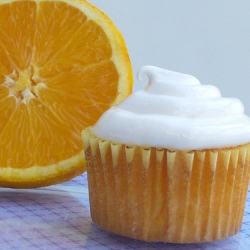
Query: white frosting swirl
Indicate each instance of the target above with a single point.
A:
(176, 112)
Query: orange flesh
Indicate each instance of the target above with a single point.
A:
(48, 70)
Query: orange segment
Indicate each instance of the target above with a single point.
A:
(63, 63)
(17, 20)
(53, 34)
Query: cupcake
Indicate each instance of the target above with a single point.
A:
(170, 163)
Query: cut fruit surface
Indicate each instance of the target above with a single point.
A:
(63, 63)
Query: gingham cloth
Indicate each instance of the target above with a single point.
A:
(57, 217)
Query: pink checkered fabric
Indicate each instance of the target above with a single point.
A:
(57, 217)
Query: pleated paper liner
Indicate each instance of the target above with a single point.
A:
(155, 194)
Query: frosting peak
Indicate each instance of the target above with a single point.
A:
(176, 111)
(162, 75)
(173, 83)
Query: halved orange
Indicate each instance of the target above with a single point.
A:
(62, 64)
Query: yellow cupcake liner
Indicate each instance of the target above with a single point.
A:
(155, 194)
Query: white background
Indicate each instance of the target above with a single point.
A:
(209, 39)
